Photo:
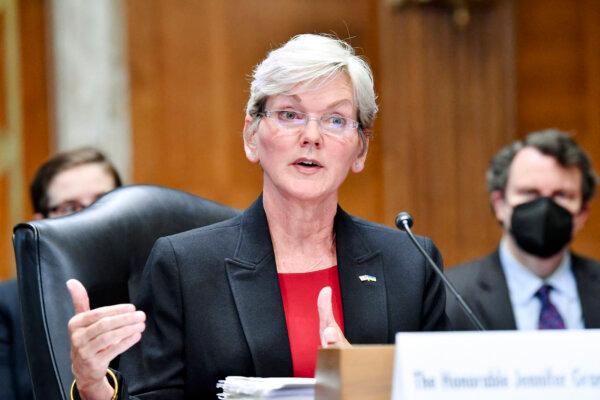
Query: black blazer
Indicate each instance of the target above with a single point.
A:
(214, 306)
(483, 285)
(15, 382)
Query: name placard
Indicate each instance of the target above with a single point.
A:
(548, 365)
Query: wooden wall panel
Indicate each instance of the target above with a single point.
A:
(190, 62)
(37, 133)
(448, 99)
(558, 68)
(5, 265)
(8, 134)
(6, 270)
(550, 65)
(3, 93)
(28, 144)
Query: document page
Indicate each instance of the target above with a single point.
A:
(245, 388)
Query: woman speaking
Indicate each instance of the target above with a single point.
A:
(258, 294)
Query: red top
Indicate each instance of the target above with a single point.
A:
(299, 292)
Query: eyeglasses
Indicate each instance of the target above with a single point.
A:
(65, 208)
(294, 121)
(68, 207)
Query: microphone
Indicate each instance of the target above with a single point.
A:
(404, 222)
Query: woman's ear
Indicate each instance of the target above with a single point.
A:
(359, 164)
(250, 127)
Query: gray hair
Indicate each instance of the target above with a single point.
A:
(307, 61)
(553, 143)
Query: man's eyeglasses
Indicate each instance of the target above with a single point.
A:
(294, 121)
(65, 208)
(69, 207)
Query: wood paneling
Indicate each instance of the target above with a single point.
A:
(448, 101)
(550, 65)
(6, 139)
(450, 98)
(3, 94)
(190, 63)
(558, 68)
(6, 252)
(36, 133)
(34, 136)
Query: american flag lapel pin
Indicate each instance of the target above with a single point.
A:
(367, 278)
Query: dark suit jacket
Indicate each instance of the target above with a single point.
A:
(214, 306)
(15, 383)
(483, 286)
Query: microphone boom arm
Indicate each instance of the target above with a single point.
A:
(404, 222)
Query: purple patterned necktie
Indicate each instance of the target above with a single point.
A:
(549, 316)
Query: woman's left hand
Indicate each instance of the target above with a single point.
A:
(329, 331)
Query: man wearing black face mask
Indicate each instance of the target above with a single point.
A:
(540, 188)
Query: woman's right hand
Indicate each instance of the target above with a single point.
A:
(97, 337)
(329, 331)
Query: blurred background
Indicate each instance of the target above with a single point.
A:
(161, 85)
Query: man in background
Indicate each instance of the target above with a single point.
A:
(540, 191)
(66, 183)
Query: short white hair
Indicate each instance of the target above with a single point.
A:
(307, 61)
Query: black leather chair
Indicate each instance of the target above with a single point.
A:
(105, 247)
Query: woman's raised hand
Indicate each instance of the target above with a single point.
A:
(98, 336)
(329, 331)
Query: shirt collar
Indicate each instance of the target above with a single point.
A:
(523, 284)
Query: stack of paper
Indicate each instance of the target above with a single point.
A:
(245, 388)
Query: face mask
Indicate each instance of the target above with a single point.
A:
(541, 227)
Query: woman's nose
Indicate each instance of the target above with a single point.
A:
(311, 133)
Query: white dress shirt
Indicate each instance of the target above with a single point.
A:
(523, 284)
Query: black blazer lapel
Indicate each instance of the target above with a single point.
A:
(492, 304)
(364, 302)
(253, 279)
(588, 286)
